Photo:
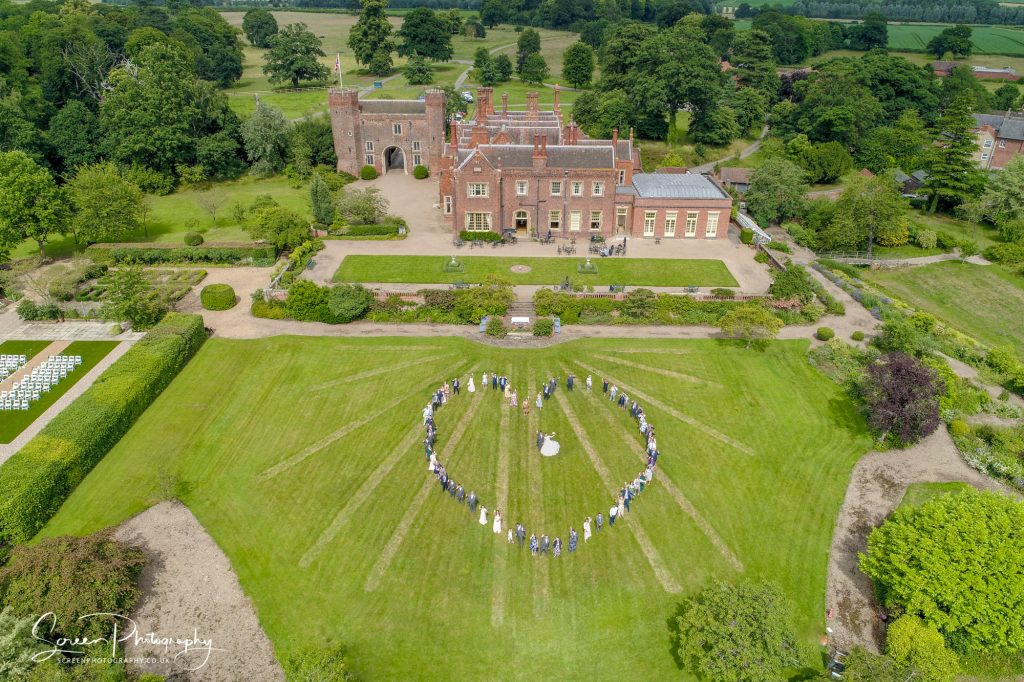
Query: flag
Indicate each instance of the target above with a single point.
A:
(337, 65)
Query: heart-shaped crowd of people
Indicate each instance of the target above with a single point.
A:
(548, 446)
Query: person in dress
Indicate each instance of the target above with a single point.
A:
(574, 539)
(496, 526)
(432, 464)
(514, 400)
(540, 401)
(483, 514)
(472, 387)
(526, 407)
(590, 382)
(508, 392)
(556, 547)
(484, 380)
(533, 544)
(510, 539)
(586, 529)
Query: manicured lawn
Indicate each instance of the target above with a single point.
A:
(353, 543)
(985, 301)
(961, 229)
(919, 493)
(26, 348)
(625, 271)
(14, 422)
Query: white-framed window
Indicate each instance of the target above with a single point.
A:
(595, 220)
(369, 159)
(448, 204)
(621, 213)
(477, 189)
(1002, 144)
(574, 221)
(556, 188)
(622, 177)
(416, 146)
(649, 218)
(691, 224)
(369, 146)
(478, 221)
(984, 156)
(417, 160)
(598, 189)
(670, 223)
(554, 220)
(711, 230)
(577, 188)
(988, 144)
(520, 188)
(396, 128)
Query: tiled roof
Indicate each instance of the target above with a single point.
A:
(1006, 127)
(393, 106)
(559, 156)
(900, 177)
(676, 186)
(736, 175)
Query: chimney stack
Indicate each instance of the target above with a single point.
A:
(455, 136)
(615, 137)
(504, 104)
(630, 133)
(544, 146)
(539, 152)
(558, 91)
(531, 106)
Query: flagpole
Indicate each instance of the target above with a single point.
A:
(338, 64)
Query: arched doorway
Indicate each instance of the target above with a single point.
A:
(522, 222)
(394, 159)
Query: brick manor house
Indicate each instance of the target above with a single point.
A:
(527, 172)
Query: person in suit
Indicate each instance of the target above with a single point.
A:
(540, 440)
(455, 385)
(605, 383)
(599, 521)
(520, 533)
(460, 494)
(472, 501)
(494, 381)
(545, 543)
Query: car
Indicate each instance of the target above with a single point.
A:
(467, 96)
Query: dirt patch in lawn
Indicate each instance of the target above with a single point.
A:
(190, 590)
(520, 269)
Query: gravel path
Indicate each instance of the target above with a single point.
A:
(78, 389)
(190, 590)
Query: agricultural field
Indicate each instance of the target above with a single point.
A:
(328, 502)
(619, 271)
(993, 40)
(984, 301)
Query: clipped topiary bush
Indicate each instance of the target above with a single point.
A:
(746, 235)
(193, 239)
(218, 297)
(824, 333)
(857, 335)
(544, 327)
(496, 328)
(368, 173)
(420, 172)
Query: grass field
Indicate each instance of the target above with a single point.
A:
(919, 493)
(302, 457)
(983, 301)
(998, 40)
(13, 423)
(26, 348)
(626, 271)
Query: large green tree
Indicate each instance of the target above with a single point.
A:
(869, 210)
(957, 562)
(426, 34)
(754, 62)
(372, 32)
(953, 175)
(920, 647)
(901, 145)
(776, 191)
(321, 200)
(418, 72)
(31, 204)
(955, 40)
(259, 26)
(578, 64)
(265, 134)
(534, 69)
(294, 56)
(107, 206)
(1003, 200)
(735, 633)
(528, 43)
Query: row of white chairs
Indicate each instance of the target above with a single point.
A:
(10, 363)
(42, 378)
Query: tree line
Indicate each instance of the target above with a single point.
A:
(933, 11)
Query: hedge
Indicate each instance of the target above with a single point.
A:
(368, 173)
(468, 236)
(39, 477)
(420, 172)
(217, 297)
(148, 254)
(372, 230)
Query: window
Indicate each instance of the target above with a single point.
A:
(396, 128)
(620, 217)
(649, 218)
(522, 220)
(478, 222)
(477, 189)
(595, 220)
(369, 146)
(416, 146)
(574, 221)
(988, 144)
(448, 204)
(577, 189)
(520, 188)
(556, 188)
(984, 156)
(691, 224)
(555, 220)
(417, 160)
(369, 159)
(622, 177)
(670, 223)
(598, 189)
(1002, 144)
(711, 231)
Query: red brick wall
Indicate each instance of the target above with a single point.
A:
(681, 206)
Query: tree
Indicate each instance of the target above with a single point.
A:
(265, 135)
(107, 205)
(348, 302)
(320, 200)
(453, 21)
(754, 62)
(418, 72)
(259, 26)
(750, 106)
(528, 43)
(372, 32)
(735, 633)
(753, 323)
(909, 642)
(31, 204)
(73, 132)
(902, 398)
(1006, 97)
(956, 562)
(776, 191)
(871, 33)
(426, 34)
(474, 29)
(953, 175)
(293, 56)
(492, 13)
(534, 69)
(901, 145)
(792, 284)
(131, 297)
(578, 64)
(210, 201)
(869, 209)
(283, 228)
(864, 666)
(362, 206)
(1003, 200)
(502, 68)
(955, 39)
(593, 33)
(381, 63)
(715, 125)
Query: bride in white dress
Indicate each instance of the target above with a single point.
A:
(472, 386)
(550, 447)
(483, 515)
(497, 521)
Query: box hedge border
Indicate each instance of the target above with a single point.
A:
(149, 254)
(35, 482)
